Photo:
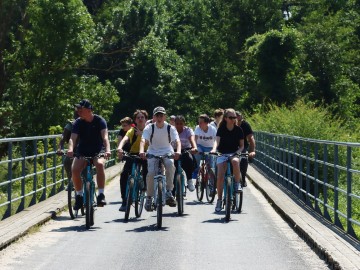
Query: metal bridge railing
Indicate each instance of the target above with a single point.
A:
(323, 174)
(31, 171)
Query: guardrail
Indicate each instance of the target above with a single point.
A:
(323, 174)
(31, 171)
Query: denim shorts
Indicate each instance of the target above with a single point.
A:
(223, 158)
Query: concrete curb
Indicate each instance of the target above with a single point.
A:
(330, 246)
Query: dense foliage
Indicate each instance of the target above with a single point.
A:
(190, 56)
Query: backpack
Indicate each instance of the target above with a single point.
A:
(152, 132)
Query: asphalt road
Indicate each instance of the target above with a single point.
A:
(255, 239)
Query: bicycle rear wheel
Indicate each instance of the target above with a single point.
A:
(179, 194)
(228, 199)
(139, 201)
(129, 198)
(87, 205)
(200, 186)
(71, 199)
(159, 204)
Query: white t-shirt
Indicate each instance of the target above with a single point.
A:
(160, 141)
(205, 139)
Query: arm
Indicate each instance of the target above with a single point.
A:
(142, 147)
(251, 140)
(241, 146)
(119, 140)
(73, 138)
(105, 137)
(65, 137)
(121, 145)
(178, 149)
(193, 144)
(216, 143)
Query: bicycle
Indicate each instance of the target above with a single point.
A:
(159, 188)
(231, 200)
(206, 179)
(134, 188)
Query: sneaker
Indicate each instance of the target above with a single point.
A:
(237, 187)
(148, 204)
(170, 201)
(78, 202)
(218, 206)
(101, 200)
(243, 183)
(122, 207)
(190, 185)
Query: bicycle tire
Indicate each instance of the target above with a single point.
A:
(129, 198)
(139, 201)
(210, 196)
(92, 207)
(87, 205)
(228, 199)
(199, 186)
(239, 201)
(179, 195)
(71, 199)
(159, 207)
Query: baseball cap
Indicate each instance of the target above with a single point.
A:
(159, 110)
(172, 117)
(85, 103)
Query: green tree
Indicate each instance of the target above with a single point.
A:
(46, 65)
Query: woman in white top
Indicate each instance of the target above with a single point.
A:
(205, 136)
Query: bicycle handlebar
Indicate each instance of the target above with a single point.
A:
(218, 154)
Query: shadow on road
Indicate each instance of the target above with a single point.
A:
(80, 228)
(148, 228)
(198, 203)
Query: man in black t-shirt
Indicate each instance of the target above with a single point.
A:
(91, 133)
(249, 145)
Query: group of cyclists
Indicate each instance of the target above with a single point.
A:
(228, 133)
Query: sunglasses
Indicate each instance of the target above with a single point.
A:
(232, 117)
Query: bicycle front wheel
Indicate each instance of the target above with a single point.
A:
(139, 201)
(227, 199)
(159, 204)
(200, 186)
(179, 195)
(71, 199)
(239, 201)
(210, 187)
(129, 198)
(87, 205)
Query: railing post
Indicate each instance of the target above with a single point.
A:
(350, 229)
(34, 198)
(300, 170)
(336, 186)
(9, 178)
(316, 176)
(43, 194)
(325, 170)
(307, 178)
(23, 174)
